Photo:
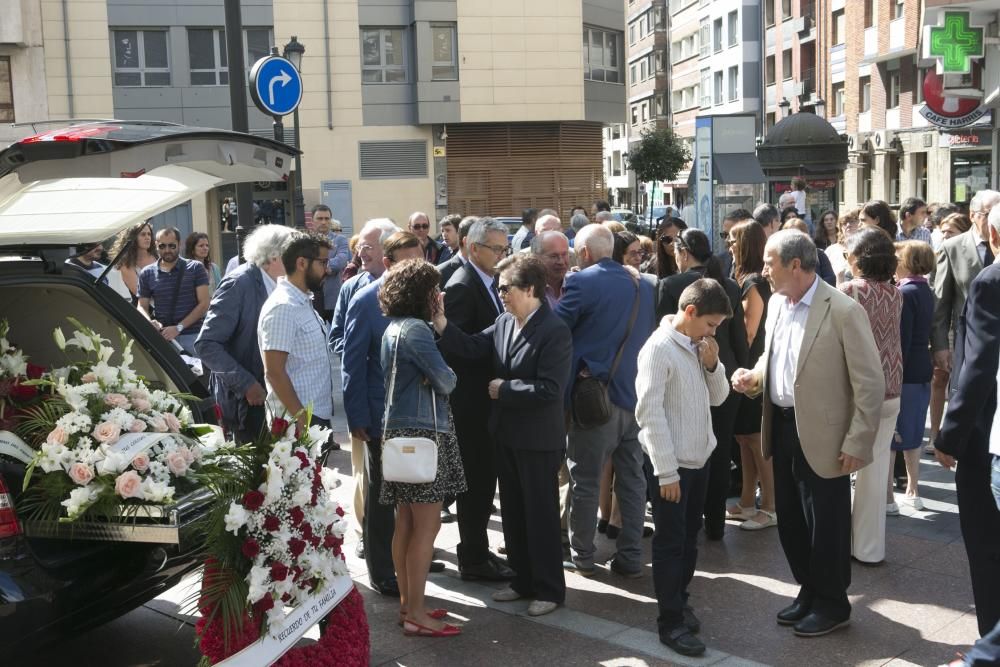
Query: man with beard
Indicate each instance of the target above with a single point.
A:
(298, 364)
(177, 290)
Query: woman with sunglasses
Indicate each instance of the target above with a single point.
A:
(663, 263)
(695, 260)
(847, 226)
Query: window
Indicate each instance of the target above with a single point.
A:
(918, 93)
(643, 69)
(706, 88)
(616, 163)
(660, 57)
(893, 101)
(659, 17)
(734, 28)
(865, 93)
(717, 87)
(445, 40)
(635, 115)
(632, 75)
(838, 99)
(893, 161)
(769, 77)
(644, 111)
(141, 58)
(661, 105)
(786, 64)
(256, 44)
(6, 91)
(705, 36)
(839, 27)
(870, 14)
(383, 55)
(208, 57)
(631, 34)
(616, 131)
(769, 13)
(717, 35)
(897, 9)
(786, 9)
(734, 81)
(769, 120)
(601, 55)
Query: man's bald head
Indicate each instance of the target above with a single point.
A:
(548, 223)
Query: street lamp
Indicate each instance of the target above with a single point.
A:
(293, 53)
(785, 107)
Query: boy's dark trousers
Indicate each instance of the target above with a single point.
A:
(675, 543)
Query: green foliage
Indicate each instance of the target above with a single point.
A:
(39, 420)
(659, 155)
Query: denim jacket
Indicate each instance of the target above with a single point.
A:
(419, 368)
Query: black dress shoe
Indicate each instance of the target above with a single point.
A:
(793, 613)
(647, 531)
(602, 526)
(683, 641)
(691, 621)
(447, 516)
(436, 567)
(388, 588)
(817, 625)
(612, 531)
(492, 569)
(714, 534)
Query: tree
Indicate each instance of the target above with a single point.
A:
(659, 155)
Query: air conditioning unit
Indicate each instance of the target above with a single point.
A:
(880, 139)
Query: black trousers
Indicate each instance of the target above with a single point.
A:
(379, 522)
(980, 520)
(529, 493)
(475, 505)
(720, 464)
(675, 543)
(253, 425)
(814, 522)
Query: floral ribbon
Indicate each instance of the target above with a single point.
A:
(14, 447)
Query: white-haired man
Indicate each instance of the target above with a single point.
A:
(227, 344)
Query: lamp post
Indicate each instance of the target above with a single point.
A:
(293, 53)
(785, 106)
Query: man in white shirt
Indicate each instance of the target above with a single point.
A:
(820, 366)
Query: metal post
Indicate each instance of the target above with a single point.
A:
(279, 130)
(238, 106)
(300, 203)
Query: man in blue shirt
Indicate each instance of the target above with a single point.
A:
(173, 292)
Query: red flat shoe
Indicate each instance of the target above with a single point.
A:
(411, 629)
(436, 614)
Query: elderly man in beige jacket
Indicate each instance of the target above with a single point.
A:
(822, 383)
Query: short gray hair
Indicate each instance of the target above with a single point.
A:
(984, 200)
(792, 244)
(579, 221)
(994, 218)
(385, 226)
(597, 239)
(266, 243)
(546, 221)
(604, 216)
(538, 243)
(481, 228)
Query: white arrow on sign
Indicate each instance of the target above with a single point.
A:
(284, 78)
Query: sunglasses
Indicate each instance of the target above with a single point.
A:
(666, 240)
(165, 246)
(724, 236)
(421, 226)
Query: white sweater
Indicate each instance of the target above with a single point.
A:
(675, 392)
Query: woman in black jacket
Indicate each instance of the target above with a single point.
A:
(695, 260)
(532, 351)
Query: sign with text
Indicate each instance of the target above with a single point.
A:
(945, 110)
(11, 445)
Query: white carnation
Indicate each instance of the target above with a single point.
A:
(235, 519)
(257, 581)
(275, 484)
(157, 491)
(329, 478)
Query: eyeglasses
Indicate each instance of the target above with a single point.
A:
(421, 226)
(501, 250)
(724, 236)
(666, 240)
(165, 246)
(504, 289)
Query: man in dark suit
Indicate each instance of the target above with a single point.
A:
(459, 259)
(597, 305)
(530, 349)
(227, 345)
(965, 433)
(472, 303)
(364, 404)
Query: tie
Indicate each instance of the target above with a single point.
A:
(987, 254)
(496, 295)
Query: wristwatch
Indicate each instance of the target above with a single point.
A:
(180, 327)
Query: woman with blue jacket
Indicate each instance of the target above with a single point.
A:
(417, 407)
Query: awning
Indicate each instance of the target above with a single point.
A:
(737, 168)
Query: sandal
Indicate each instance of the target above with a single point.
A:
(759, 523)
(436, 614)
(740, 513)
(411, 629)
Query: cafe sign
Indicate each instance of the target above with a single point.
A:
(947, 111)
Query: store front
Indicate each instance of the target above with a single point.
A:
(971, 162)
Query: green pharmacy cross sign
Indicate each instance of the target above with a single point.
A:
(956, 43)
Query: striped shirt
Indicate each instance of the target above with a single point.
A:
(159, 286)
(918, 233)
(288, 323)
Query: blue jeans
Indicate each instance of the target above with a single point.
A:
(986, 651)
(675, 543)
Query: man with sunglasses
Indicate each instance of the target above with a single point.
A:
(173, 292)
(420, 226)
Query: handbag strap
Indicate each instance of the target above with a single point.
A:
(392, 389)
(628, 332)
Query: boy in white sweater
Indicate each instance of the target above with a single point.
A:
(680, 377)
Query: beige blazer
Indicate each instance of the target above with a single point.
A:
(839, 385)
(958, 263)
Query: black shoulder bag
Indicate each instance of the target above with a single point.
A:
(591, 404)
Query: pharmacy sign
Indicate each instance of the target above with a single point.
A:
(954, 42)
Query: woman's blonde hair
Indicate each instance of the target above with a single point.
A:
(917, 257)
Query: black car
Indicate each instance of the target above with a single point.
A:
(77, 185)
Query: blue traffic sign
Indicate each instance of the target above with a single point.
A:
(275, 86)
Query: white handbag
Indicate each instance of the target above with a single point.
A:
(408, 460)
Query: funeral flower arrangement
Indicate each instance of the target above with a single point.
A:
(15, 369)
(106, 443)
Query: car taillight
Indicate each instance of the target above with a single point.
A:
(9, 526)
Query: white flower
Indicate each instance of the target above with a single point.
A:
(156, 491)
(14, 363)
(79, 499)
(119, 416)
(113, 463)
(75, 422)
(104, 353)
(127, 357)
(275, 484)
(158, 470)
(257, 581)
(106, 374)
(329, 478)
(212, 441)
(317, 437)
(302, 495)
(235, 519)
(276, 617)
(60, 338)
(82, 341)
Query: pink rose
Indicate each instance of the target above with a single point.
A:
(81, 473)
(188, 454)
(173, 423)
(88, 377)
(158, 424)
(58, 436)
(141, 405)
(141, 462)
(116, 400)
(129, 485)
(107, 432)
(177, 463)
(138, 426)
(138, 393)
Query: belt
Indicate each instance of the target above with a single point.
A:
(787, 414)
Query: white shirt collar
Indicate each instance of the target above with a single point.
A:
(807, 298)
(269, 283)
(976, 236)
(684, 340)
(487, 279)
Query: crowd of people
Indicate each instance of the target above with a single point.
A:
(590, 372)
